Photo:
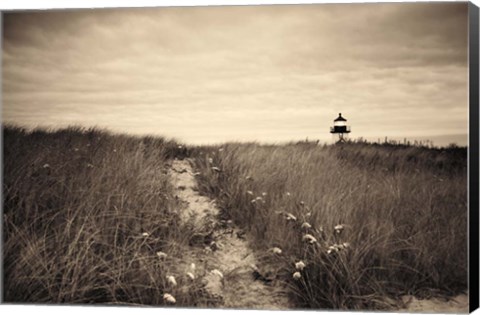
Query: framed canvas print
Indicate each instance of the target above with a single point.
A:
(266, 157)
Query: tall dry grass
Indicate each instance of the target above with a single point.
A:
(400, 213)
(85, 213)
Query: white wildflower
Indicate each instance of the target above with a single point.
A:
(299, 265)
(276, 250)
(46, 165)
(297, 275)
(288, 194)
(339, 228)
(290, 217)
(333, 248)
(191, 275)
(306, 225)
(264, 194)
(250, 192)
(145, 234)
(309, 238)
(169, 298)
(210, 160)
(171, 280)
(162, 255)
(216, 169)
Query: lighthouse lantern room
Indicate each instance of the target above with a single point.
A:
(340, 128)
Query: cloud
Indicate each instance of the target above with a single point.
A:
(268, 73)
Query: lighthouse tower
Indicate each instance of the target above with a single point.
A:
(340, 128)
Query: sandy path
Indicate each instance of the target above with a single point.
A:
(219, 248)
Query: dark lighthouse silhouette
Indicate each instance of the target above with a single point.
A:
(340, 128)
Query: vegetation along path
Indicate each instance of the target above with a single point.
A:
(221, 250)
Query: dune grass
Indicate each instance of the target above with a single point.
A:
(383, 220)
(86, 215)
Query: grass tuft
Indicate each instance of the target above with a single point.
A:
(371, 222)
(85, 214)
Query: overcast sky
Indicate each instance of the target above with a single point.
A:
(267, 73)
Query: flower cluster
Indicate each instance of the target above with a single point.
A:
(337, 247)
(314, 239)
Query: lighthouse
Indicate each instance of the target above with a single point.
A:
(340, 128)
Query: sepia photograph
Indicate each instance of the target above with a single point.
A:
(254, 157)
